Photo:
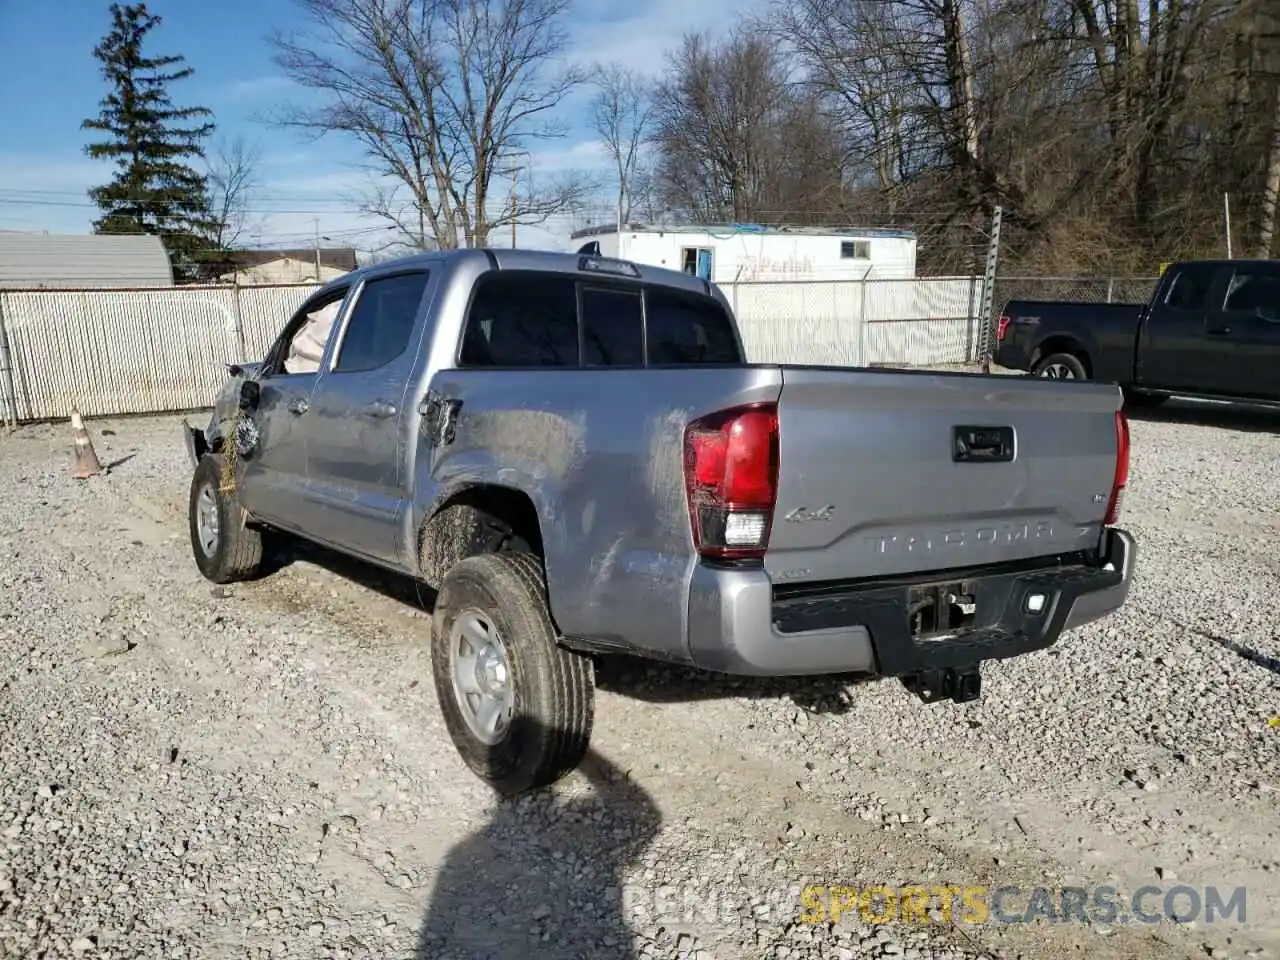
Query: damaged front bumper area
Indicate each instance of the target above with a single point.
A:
(196, 443)
(931, 631)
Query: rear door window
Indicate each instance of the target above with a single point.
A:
(522, 320)
(687, 328)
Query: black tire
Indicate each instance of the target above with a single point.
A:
(1055, 363)
(551, 689)
(235, 550)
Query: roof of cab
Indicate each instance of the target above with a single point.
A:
(517, 259)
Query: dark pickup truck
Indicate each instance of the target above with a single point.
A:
(1211, 329)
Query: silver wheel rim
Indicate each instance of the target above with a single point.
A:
(481, 676)
(207, 520)
(1057, 371)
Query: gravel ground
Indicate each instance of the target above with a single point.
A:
(261, 771)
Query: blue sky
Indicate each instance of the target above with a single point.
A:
(51, 83)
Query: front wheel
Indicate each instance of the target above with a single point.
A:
(519, 707)
(1060, 366)
(225, 549)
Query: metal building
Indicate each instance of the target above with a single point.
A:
(35, 261)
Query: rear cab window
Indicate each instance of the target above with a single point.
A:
(535, 319)
(612, 326)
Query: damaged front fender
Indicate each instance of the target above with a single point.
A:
(209, 440)
(197, 445)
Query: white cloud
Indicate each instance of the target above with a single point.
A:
(590, 154)
(257, 87)
(60, 174)
(641, 41)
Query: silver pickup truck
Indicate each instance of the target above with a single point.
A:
(574, 453)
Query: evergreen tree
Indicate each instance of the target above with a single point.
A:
(149, 140)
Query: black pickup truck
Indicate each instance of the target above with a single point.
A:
(1211, 329)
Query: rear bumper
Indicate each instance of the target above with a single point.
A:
(737, 626)
(1014, 351)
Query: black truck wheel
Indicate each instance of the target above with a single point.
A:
(1060, 366)
(225, 549)
(518, 706)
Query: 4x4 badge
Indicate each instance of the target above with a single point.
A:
(804, 514)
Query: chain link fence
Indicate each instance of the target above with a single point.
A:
(1084, 289)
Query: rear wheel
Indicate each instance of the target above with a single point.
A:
(518, 707)
(1060, 366)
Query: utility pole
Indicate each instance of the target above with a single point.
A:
(988, 288)
(513, 218)
(317, 223)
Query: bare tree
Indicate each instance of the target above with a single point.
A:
(232, 179)
(737, 139)
(622, 115)
(440, 94)
(1107, 130)
(645, 193)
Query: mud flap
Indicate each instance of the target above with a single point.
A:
(195, 442)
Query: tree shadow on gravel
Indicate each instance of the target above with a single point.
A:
(544, 877)
(1243, 417)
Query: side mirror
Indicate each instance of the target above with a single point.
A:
(1269, 314)
(249, 395)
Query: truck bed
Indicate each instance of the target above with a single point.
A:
(1104, 333)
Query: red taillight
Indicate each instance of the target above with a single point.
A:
(731, 477)
(1122, 470)
(1002, 325)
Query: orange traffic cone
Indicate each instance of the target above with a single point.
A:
(87, 464)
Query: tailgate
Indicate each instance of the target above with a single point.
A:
(870, 485)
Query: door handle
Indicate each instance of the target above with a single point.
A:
(380, 410)
(299, 405)
(1219, 331)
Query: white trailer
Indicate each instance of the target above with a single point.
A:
(746, 253)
